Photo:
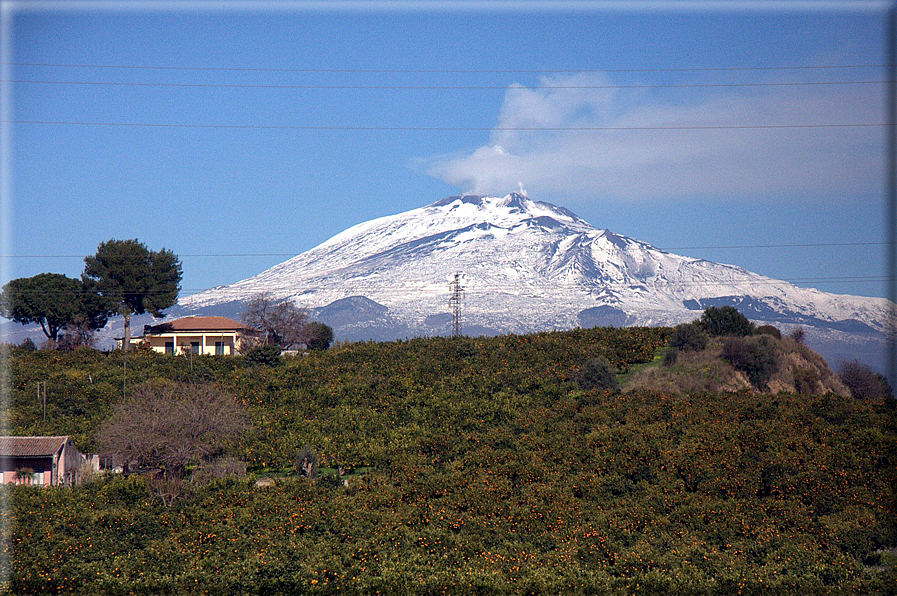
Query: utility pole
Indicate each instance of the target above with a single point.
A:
(42, 395)
(457, 293)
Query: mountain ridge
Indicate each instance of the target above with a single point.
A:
(530, 266)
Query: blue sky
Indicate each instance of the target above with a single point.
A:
(661, 72)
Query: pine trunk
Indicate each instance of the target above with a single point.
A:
(126, 343)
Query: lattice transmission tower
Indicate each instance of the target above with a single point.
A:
(457, 294)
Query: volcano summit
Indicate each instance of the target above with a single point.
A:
(526, 266)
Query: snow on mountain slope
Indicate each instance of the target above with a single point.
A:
(527, 266)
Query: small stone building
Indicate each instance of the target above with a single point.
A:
(40, 461)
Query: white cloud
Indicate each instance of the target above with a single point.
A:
(661, 164)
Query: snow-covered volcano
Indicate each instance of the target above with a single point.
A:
(525, 266)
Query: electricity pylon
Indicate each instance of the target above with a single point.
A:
(457, 293)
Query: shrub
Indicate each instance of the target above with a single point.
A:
(688, 337)
(331, 481)
(670, 358)
(266, 355)
(307, 462)
(23, 474)
(318, 336)
(806, 380)
(27, 345)
(725, 320)
(769, 330)
(798, 334)
(224, 467)
(597, 373)
(863, 382)
(164, 427)
(757, 359)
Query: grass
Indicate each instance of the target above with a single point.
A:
(624, 378)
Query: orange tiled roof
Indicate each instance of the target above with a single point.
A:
(30, 446)
(198, 324)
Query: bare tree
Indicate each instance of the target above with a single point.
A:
(77, 334)
(165, 426)
(307, 462)
(798, 334)
(282, 322)
(863, 381)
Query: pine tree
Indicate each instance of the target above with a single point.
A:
(54, 301)
(134, 278)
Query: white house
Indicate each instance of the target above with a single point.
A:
(199, 335)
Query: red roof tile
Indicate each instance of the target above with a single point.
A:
(30, 446)
(198, 324)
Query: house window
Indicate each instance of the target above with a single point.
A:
(219, 348)
(169, 347)
(194, 347)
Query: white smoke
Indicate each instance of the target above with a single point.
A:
(646, 164)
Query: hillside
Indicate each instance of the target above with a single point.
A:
(473, 465)
(796, 369)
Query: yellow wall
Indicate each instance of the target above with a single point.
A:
(182, 342)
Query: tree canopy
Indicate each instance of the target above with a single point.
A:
(54, 301)
(283, 323)
(318, 336)
(133, 278)
(725, 320)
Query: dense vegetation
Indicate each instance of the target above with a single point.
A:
(473, 465)
(724, 351)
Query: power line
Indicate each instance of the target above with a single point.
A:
(809, 245)
(324, 127)
(445, 70)
(437, 288)
(435, 87)
(255, 254)
(293, 254)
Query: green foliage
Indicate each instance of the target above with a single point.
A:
(23, 473)
(27, 345)
(670, 357)
(52, 300)
(318, 336)
(768, 330)
(756, 357)
(128, 273)
(131, 279)
(688, 337)
(267, 355)
(486, 471)
(597, 373)
(725, 320)
(863, 382)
